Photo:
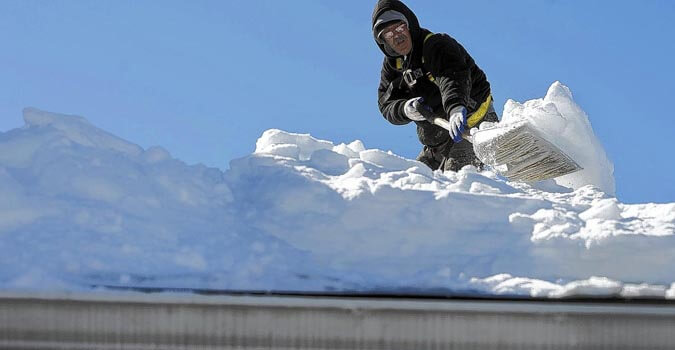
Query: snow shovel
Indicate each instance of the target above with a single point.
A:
(516, 151)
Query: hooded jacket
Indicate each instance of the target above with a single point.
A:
(457, 80)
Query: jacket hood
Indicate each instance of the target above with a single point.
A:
(396, 5)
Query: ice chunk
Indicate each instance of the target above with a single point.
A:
(79, 130)
(604, 209)
(306, 143)
(156, 154)
(357, 146)
(643, 290)
(594, 286)
(387, 160)
(346, 151)
(329, 162)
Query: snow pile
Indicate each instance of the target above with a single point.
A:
(566, 125)
(80, 207)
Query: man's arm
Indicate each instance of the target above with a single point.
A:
(451, 66)
(390, 98)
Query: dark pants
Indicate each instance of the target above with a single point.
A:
(454, 156)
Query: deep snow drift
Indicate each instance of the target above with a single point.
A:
(80, 207)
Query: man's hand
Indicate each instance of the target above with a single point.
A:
(411, 109)
(457, 123)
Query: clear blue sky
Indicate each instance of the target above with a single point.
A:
(204, 79)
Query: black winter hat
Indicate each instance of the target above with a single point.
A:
(383, 6)
(385, 19)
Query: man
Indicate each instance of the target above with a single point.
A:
(425, 72)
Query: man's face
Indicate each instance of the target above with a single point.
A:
(397, 36)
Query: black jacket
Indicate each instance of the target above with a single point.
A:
(457, 78)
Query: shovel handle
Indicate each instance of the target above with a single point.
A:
(433, 118)
(441, 122)
(446, 125)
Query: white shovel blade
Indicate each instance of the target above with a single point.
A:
(519, 152)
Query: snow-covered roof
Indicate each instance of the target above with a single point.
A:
(81, 207)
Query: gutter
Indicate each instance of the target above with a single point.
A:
(133, 320)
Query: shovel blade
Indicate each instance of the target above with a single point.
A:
(520, 153)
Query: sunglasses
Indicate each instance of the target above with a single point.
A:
(388, 34)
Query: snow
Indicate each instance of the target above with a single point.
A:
(567, 126)
(80, 207)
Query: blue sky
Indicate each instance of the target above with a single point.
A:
(204, 79)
